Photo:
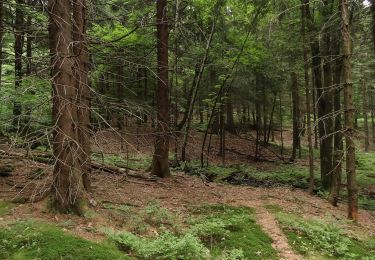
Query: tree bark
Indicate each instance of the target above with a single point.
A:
(68, 183)
(349, 113)
(296, 113)
(83, 89)
(338, 142)
(160, 166)
(365, 116)
(308, 98)
(325, 101)
(18, 50)
(1, 39)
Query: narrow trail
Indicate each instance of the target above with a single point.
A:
(270, 226)
(280, 242)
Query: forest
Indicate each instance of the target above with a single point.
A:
(187, 129)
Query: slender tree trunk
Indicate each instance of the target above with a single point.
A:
(349, 113)
(281, 125)
(270, 125)
(373, 126)
(338, 142)
(18, 50)
(29, 44)
(195, 92)
(325, 103)
(1, 40)
(160, 166)
(230, 126)
(83, 88)
(68, 183)
(365, 116)
(308, 98)
(296, 113)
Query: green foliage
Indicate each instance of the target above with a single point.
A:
(5, 207)
(224, 227)
(140, 162)
(32, 240)
(208, 232)
(165, 246)
(321, 238)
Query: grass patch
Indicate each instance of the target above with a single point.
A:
(223, 227)
(32, 240)
(321, 238)
(5, 207)
(209, 232)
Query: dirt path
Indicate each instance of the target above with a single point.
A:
(271, 227)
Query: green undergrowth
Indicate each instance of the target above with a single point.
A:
(5, 208)
(208, 232)
(280, 174)
(134, 162)
(33, 240)
(322, 238)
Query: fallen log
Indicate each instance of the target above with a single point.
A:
(46, 158)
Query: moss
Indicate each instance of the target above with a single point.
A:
(243, 232)
(5, 207)
(32, 240)
(320, 238)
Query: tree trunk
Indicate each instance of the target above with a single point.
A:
(296, 113)
(281, 126)
(325, 102)
(365, 116)
(230, 120)
(195, 92)
(160, 166)
(83, 88)
(308, 98)
(338, 143)
(349, 113)
(68, 183)
(1, 40)
(18, 50)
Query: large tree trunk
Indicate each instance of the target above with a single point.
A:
(83, 88)
(68, 183)
(349, 113)
(160, 166)
(18, 49)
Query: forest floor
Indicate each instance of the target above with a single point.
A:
(297, 225)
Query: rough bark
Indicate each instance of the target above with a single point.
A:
(160, 166)
(1, 39)
(308, 98)
(365, 115)
(296, 114)
(18, 50)
(83, 89)
(68, 183)
(349, 113)
(325, 101)
(338, 142)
